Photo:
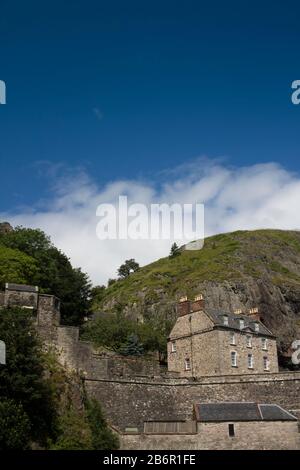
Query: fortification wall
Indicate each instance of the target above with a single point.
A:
(81, 357)
(129, 403)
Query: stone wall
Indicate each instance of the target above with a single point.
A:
(214, 436)
(81, 357)
(129, 403)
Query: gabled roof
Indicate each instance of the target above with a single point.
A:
(217, 317)
(241, 411)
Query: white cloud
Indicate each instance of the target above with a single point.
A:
(258, 196)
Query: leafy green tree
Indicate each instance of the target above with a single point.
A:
(132, 347)
(97, 294)
(175, 251)
(127, 268)
(14, 426)
(22, 378)
(17, 267)
(109, 331)
(102, 436)
(112, 331)
(48, 268)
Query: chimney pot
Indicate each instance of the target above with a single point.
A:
(254, 313)
(238, 311)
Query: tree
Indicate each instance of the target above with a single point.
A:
(17, 267)
(132, 347)
(174, 251)
(127, 268)
(14, 426)
(22, 380)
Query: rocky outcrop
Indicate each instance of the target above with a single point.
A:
(241, 270)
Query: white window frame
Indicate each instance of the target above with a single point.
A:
(249, 341)
(233, 358)
(225, 320)
(251, 362)
(173, 347)
(264, 344)
(187, 364)
(266, 363)
(232, 339)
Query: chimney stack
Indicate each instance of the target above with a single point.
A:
(238, 311)
(183, 306)
(197, 304)
(254, 314)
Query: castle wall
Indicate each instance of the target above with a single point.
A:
(131, 402)
(20, 299)
(271, 435)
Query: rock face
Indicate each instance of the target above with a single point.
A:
(240, 270)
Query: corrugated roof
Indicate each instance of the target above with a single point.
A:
(217, 316)
(241, 411)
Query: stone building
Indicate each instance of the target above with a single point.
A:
(150, 407)
(207, 342)
(222, 426)
(44, 308)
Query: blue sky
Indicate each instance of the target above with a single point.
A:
(125, 90)
(130, 88)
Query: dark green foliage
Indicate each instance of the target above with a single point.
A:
(48, 268)
(110, 282)
(14, 426)
(97, 294)
(17, 267)
(130, 266)
(132, 346)
(22, 380)
(116, 332)
(110, 331)
(74, 432)
(102, 437)
(86, 430)
(174, 251)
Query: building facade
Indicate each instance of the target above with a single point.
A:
(222, 426)
(207, 342)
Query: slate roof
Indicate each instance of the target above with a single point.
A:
(21, 287)
(217, 316)
(241, 411)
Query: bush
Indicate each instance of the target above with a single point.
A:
(102, 437)
(14, 426)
